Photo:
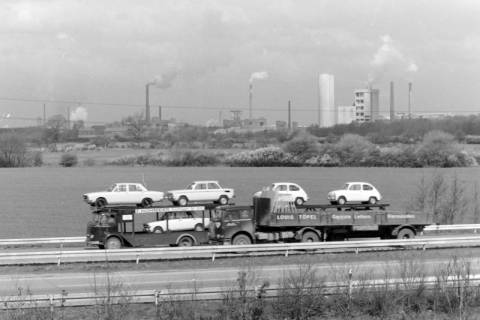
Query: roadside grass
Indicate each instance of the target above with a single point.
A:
(403, 292)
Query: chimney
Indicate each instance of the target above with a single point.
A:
(409, 100)
(147, 103)
(160, 113)
(392, 102)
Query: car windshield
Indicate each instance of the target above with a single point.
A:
(110, 189)
(345, 187)
(190, 186)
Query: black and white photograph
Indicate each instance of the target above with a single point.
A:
(239, 160)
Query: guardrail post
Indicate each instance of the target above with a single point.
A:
(286, 253)
(356, 250)
(474, 230)
(155, 295)
(59, 260)
(138, 258)
(51, 307)
(213, 257)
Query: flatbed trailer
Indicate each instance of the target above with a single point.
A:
(271, 220)
(114, 227)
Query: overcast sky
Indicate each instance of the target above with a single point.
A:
(203, 53)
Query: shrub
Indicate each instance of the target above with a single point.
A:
(263, 157)
(89, 162)
(302, 147)
(192, 158)
(13, 151)
(439, 149)
(68, 160)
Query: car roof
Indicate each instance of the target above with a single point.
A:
(285, 183)
(360, 182)
(205, 181)
(128, 183)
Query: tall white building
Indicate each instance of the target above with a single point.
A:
(367, 104)
(326, 100)
(346, 114)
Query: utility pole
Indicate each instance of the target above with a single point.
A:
(44, 115)
(147, 103)
(160, 113)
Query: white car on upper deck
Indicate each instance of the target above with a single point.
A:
(287, 189)
(124, 193)
(179, 221)
(201, 191)
(360, 192)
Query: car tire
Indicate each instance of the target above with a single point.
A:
(223, 200)
(157, 230)
(113, 243)
(100, 202)
(199, 227)
(185, 242)
(147, 202)
(241, 239)
(406, 233)
(299, 201)
(372, 200)
(342, 201)
(182, 201)
(310, 236)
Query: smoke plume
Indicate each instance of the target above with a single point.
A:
(389, 59)
(80, 113)
(258, 75)
(165, 80)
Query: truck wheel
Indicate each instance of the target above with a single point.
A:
(185, 242)
(113, 243)
(147, 202)
(182, 201)
(310, 236)
(299, 201)
(341, 201)
(372, 200)
(199, 227)
(406, 233)
(241, 239)
(223, 200)
(100, 202)
(157, 230)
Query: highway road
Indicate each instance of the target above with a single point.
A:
(211, 277)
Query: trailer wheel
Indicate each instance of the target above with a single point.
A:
(241, 239)
(100, 202)
(299, 201)
(113, 243)
(157, 230)
(223, 200)
(199, 227)
(185, 242)
(406, 233)
(341, 201)
(147, 202)
(310, 236)
(182, 201)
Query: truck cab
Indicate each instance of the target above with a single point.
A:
(233, 225)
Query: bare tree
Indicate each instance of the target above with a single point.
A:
(437, 191)
(13, 151)
(454, 206)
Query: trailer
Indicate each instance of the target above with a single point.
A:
(114, 227)
(272, 219)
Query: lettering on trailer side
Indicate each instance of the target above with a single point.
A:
(285, 217)
(305, 216)
(127, 217)
(174, 209)
(341, 217)
(363, 216)
(400, 216)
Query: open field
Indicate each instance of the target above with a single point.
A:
(47, 201)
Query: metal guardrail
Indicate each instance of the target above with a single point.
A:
(35, 241)
(452, 227)
(156, 297)
(211, 252)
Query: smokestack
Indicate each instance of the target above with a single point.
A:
(392, 101)
(147, 103)
(160, 113)
(250, 93)
(409, 100)
(289, 115)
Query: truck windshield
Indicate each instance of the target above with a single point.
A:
(102, 219)
(217, 214)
